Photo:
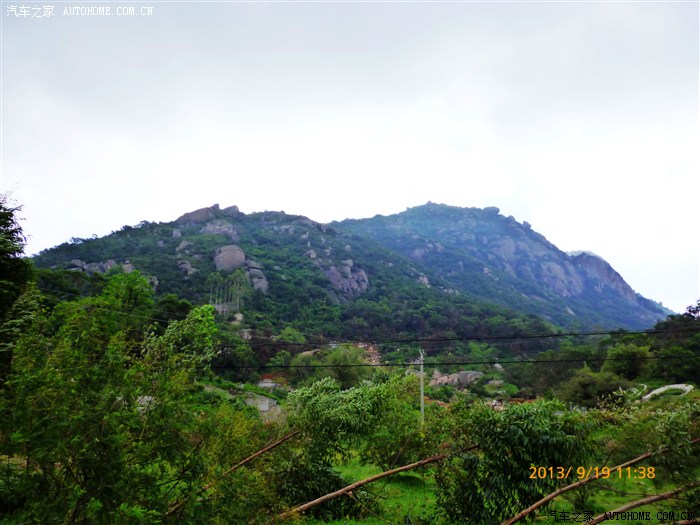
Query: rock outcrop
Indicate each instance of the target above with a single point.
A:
(257, 277)
(229, 258)
(100, 267)
(458, 380)
(198, 216)
(203, 215)
(601, 274)
(496, 258)
(351, 281)
(220, 227)
(186, 267)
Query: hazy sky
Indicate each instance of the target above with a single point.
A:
(581, 118)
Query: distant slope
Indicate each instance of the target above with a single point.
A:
(281, 270)
(429, 271)
(483, 254)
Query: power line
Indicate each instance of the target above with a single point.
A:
(426, 340)
(476, 338)
(452, 363)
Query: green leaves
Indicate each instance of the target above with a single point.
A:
(99, 412)
(492, 483)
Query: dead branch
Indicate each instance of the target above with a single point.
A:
(644, 501)
(251, 458)
(301, 508)
(578, 484)
(178, 505)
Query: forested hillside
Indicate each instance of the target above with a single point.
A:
(121, 401)
(429, 271)
(285, 271)
(483, 254)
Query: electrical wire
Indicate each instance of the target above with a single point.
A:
(451, 363)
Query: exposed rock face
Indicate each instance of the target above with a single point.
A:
(459, 379)
(186, 267)
(561, 277)
(260, 284)
(602, 274)
(229, 258)
(221, 227)
(254, 265)
(99, 267)
(352, 282)
(198, 216)
(493, 257)
(257, 278)
(255, 273)
(184, 246)
(233, 212)
(203, 215)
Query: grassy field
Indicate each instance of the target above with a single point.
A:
(406, 499)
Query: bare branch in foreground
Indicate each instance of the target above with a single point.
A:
(301, 508)
(178, 505)
(578, 484)
(643, 501)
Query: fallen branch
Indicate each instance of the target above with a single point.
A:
(178, 505)
(251, 458)
(643, 501)
(301, 508)
(580, 483)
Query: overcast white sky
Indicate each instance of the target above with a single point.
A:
(580, 118)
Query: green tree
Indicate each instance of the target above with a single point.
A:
(15, 272)
(291, 335)
(398, 437)
(627, 360)
(97, 424)
(588, 388)
(344, 363)
(170, 308)
(677, 364)
(492, 482)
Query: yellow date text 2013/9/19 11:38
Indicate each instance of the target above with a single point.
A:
(588, 472)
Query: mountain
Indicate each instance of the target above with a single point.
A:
(430, 271)
(484, 254)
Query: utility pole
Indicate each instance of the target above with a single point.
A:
(422, 396)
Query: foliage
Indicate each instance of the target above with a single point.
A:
(169, 308)
(627, 360)
(344, 363)
(301, 296)
(332, 422)
(398, 437)
(487, 256)
(104, 417)
(98, 414)
(15, 271)
(493, 482)
(587, 387)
